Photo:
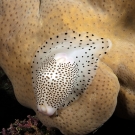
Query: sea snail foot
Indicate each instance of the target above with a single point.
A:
(45, 109)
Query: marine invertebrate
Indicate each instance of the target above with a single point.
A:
(27, 25)
(64, 66)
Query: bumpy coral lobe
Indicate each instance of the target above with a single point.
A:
(26, 25)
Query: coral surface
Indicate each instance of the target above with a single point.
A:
(26, 25)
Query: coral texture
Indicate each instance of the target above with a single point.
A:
(26, 25)
(30, 126)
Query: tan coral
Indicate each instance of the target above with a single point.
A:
(26, 25)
